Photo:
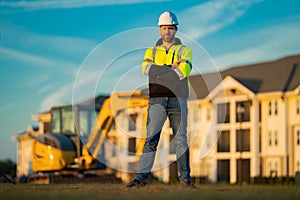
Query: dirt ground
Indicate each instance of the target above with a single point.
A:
(155, 191)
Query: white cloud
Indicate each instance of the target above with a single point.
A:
(282, 40)
(64, 4)
(33, 59)
(23, 40)
(212, 16)
(42, 50)
(57, 97)
(266, 43)
(45, 88)
(62, 56)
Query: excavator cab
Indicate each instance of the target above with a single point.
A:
(63, 146)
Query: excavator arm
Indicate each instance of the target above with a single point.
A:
(117, 102)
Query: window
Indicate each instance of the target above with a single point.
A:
(270, 138)
(132, 122)
(273, 170)
(223, 113)
(259, 140)
(223, 171)
(131, 145)
(62, 121)
(243, 140)
(68, 125)
(273, 138)
(270, 108)
(276, 108)
(223, 141)
(243, 170)
(276, 138)
(243, 111)
(298, 137)
(259, 111)
(56, 122)
(87, 119)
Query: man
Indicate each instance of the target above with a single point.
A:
(168, 65)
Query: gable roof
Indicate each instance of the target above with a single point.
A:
(279, 75)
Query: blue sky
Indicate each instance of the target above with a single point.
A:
(46, 45)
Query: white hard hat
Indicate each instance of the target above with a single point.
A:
(167, 18)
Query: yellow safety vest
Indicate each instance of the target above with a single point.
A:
(160, 56)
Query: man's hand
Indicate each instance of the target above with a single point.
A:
(176, 64)
(151, 62)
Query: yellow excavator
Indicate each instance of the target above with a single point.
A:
(77, 136)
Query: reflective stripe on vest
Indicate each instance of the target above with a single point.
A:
(180, 51)
(153, 53)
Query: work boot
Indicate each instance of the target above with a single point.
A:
(135, 183)
(188, 184)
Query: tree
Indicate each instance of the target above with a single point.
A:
(8, 167)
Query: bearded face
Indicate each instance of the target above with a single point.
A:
(168, 33)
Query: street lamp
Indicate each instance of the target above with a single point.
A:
(240, 110)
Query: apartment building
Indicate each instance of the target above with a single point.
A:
(244, 126)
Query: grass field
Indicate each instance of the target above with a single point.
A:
(155, 191)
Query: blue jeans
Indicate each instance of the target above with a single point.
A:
(159, 109)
